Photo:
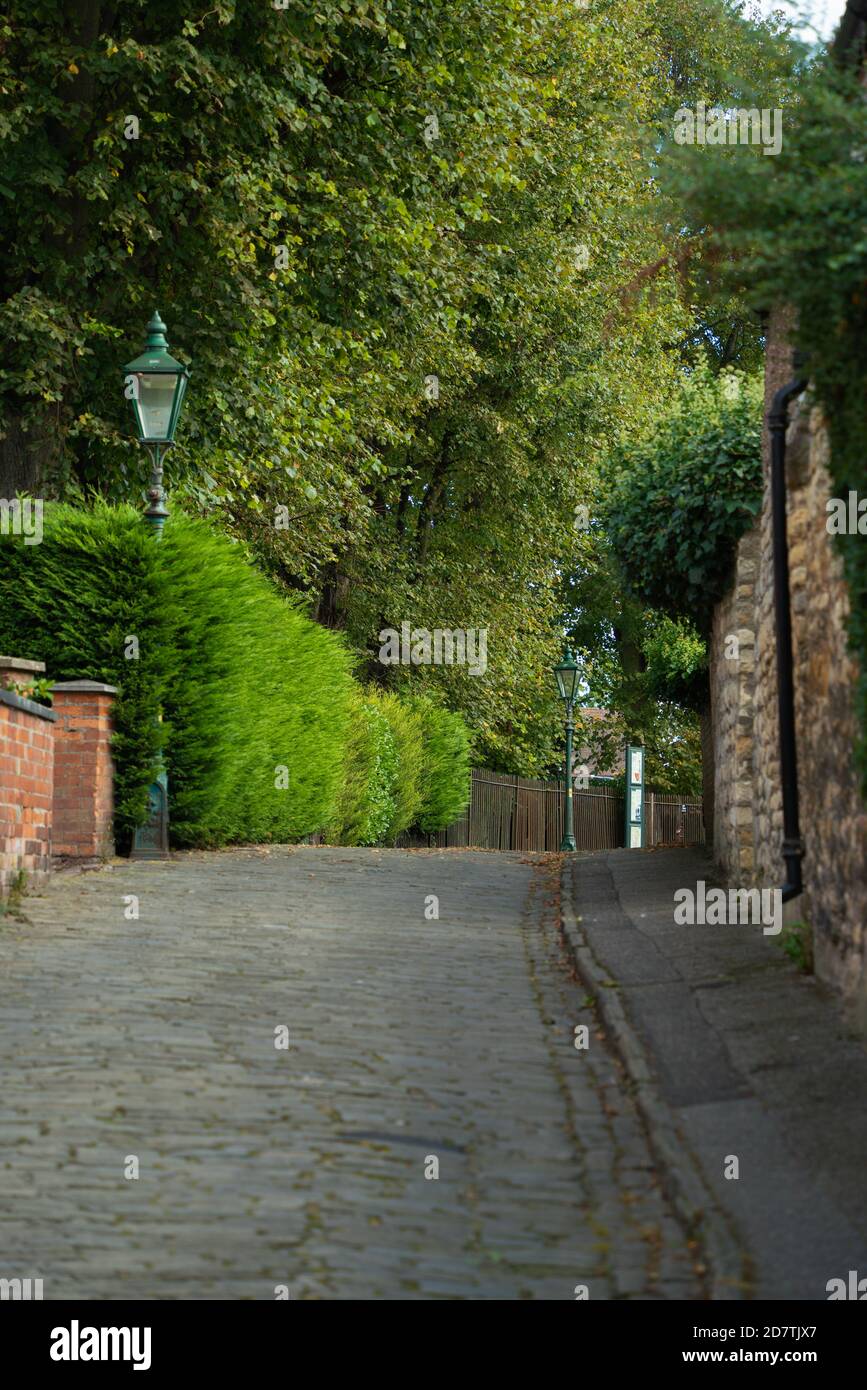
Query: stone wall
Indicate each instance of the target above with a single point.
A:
(732, 665)
(748, 801)
(833, 814)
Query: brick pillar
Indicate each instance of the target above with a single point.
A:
(83, 771)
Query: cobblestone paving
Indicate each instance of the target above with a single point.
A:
(305, 1167)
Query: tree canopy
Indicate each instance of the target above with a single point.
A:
(413, 253)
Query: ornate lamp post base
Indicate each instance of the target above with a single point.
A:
(151, 840)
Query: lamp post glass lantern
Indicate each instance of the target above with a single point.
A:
(567, 674)
(568, 681)
(155, 384)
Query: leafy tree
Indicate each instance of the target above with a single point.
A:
(670, 737)
(473, 521)
(262, 176)
(676, 663)
(683, 493)
(334, 205)
(790, 231)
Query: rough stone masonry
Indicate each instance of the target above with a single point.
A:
(748, 801)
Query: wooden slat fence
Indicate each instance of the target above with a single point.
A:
(524, 813)
(674, 820)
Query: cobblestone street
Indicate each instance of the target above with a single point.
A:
(409, 1039)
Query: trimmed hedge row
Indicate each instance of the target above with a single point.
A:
(266, 736)
(89, 603)
(407, 764)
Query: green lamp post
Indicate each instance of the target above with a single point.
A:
(567, 673)
(156, 384)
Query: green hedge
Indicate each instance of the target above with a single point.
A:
(407, 730)
(407, 765)
(258, 688)
(247, 685)
(365, 801)
(265, 734)
(445, 769)
(76, 601)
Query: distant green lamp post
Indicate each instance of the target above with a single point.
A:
(567, 674)
(156, 385)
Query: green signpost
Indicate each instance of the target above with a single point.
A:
(634, 797)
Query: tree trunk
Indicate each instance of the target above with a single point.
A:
(332, 605)
(28, 457)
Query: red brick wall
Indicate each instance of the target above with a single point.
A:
(26, 789)
(83, 771)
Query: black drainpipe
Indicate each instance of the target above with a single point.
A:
(793, 849)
